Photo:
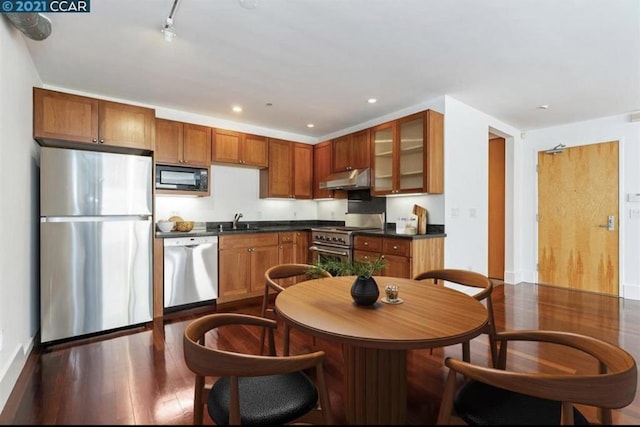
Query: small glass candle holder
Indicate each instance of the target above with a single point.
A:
(392, 292)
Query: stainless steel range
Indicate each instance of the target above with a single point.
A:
(337, 241)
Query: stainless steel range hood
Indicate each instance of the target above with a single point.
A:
(347, 180)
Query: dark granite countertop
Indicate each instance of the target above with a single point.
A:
(212, 229)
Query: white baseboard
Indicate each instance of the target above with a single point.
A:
(9, 376)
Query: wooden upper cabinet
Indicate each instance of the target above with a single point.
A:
(196, 149)
(169, 136)
(351, 151)
(61, 117)
(321, 168)
(126, 125)
(408, 155)
(302, 171)
(255, 151)
(275, 181)
(240, 149)
(290, 171)
(182, 143)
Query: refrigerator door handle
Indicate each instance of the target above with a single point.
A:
(95, 218)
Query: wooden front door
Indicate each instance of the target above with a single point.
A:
(578, 218)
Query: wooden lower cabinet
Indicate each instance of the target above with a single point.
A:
(243, 259)
(302, 239)
(404, 257)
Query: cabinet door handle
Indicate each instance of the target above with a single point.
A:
(95, 139)
(102, 141)
(366, 243)
(395, 247)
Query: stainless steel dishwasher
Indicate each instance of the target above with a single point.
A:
(190, 271)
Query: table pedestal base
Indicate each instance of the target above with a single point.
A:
(375, 385)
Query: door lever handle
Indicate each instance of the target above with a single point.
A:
(610, 225)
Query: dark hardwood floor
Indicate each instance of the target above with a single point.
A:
(139, 377)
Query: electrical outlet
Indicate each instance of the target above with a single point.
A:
(295, 214)
(473, 212)
(455, 212)
(634, 213)
(333, 214)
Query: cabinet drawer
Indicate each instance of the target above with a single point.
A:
(248, 240)
(286, 237)
(400, 247)
(365, 256)
(368, 243)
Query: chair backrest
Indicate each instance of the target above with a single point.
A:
(274, 274)
(461, 277)
(207, 361)
(612, 386)
(471, 279)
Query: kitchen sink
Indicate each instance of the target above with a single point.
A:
(240, 229)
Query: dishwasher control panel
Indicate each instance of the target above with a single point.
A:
(184, 241)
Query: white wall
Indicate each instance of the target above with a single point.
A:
(234, 189)
(19, 208)
(616, 128)
(466, 135)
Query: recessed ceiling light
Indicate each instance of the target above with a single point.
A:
(543, 107)
(268, 104)
(372, 100)
(310, 125)
(237, 109)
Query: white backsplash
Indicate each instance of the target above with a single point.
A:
(237, 189)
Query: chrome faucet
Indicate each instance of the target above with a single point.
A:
(236, 218)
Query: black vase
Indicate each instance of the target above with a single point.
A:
(364, 290)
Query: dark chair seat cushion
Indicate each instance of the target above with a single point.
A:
(268, 400)
(481, 404)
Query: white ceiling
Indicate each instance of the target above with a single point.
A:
(318, 61)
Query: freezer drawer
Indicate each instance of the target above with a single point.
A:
(95, 275)
(190, 270)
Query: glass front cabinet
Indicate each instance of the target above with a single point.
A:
(408, 155)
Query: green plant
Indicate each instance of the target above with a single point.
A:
(349, 268)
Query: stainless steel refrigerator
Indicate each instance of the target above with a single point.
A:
(96, 234)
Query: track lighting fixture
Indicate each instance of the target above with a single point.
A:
(168, 32)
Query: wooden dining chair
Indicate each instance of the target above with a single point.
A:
(474, 280)
(276, 279)
(253, 389)
(492, 396)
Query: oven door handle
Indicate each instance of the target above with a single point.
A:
(327, 251)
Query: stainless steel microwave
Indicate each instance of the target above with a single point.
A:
(182, 178)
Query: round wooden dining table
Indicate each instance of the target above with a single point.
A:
(375, 339)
